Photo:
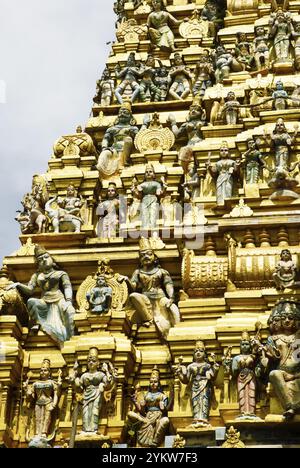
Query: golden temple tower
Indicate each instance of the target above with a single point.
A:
(154, 298)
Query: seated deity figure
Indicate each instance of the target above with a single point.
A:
(160, 24)
(223, 64)
(286, 271)
(54, 311)
(117, 143)
(100, 297)
(281, 355)
(149, 416)
(154, 297)
(66, 217)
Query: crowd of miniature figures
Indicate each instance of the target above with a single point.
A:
(257, 365)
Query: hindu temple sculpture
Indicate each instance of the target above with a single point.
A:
(261, 48)
(54, 311)
(105, 89)
(242, 6)
(100, 377)
(281, 355)
(200, 374)
(192, 128)
(231, 109)
(33, 219)
(244, 52)
(160, 23)
(223, 64)
(282, 142)
(150, 415)
(100, 297)
(286, 271)
(246, 368)
(128, 89)
(280, 31)
(150, 192)
(224, 171)
(149, 91)
(204, 75)
(280, 97)
(163, 81)
(65, 212)
(108, 213)
(117, 143)
(154, 296)
(253, 162)
(119, 9)
(296, 44)
(181, 79)
(214, 14)
(44, 395)
(191, 184)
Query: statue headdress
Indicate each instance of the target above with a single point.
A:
(245, 336)
(39, 250)
(155, 372)
(145, 244)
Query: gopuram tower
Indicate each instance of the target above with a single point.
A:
(155, 298)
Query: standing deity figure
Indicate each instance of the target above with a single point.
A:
(150, 191)
(253, 161)
(280, 97)
(108, 212)
(214, 15)
(128, 89)
(223, 64)
(163, 81)
(281, 141)
(224, 171)
(105, 89)
(117, 143)
(54, 312)
(148, 89)
(181, 78)
(286, 271)
(159, 25)
(98, 379)
(200, 374)
(66, 216)
(296, 43)
(245, 368)
(231, 109)
(281, 29)
(100, 297)
(154, 297)
(281, 354)
(261, 48)
(243, 51)
(204, 75)
(44, 395)
(150, 413)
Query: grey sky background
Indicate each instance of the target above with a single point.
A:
(51, 54)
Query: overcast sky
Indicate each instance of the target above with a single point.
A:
(51, 54)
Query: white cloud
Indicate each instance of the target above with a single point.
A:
(51, 54)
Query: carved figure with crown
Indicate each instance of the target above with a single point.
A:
(281, 357)
(108, 213)
(54, 311)
(224, 171)
(200, 375)
(128, 89)
(286, 271)
(150, 191)
(154, 297)
(65, 212)
(96, 386)
(151, 413)
(44, 394)
(117, 143)
(159, 25)
(246, 368)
